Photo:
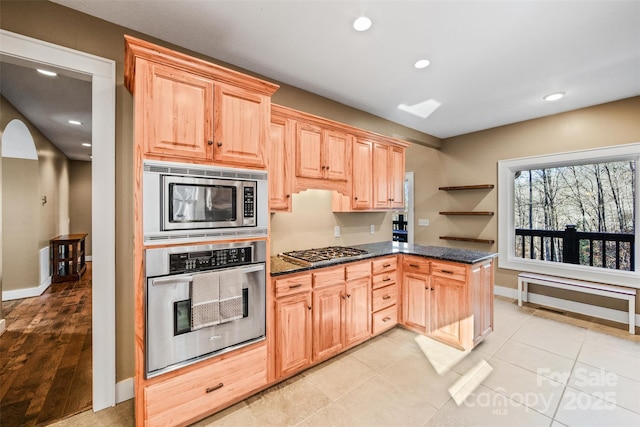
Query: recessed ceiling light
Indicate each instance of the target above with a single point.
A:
(422, 63)
(362, 24)
(554, 96)
(47, 73)
(86, 144)
(75, 122)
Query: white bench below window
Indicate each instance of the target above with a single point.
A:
(611, 291)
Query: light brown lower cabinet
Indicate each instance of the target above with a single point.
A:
(357, 311)
(293, 333)
(328, 321)
(190, 396)
(384, 294)
(451, 302)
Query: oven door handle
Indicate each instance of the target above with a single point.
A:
(170, 280)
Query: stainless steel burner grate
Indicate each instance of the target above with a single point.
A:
(319, 255)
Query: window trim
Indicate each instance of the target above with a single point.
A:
(506, 218)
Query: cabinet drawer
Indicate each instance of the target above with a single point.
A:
(384, 297)
(416, 265)
(451, 271)
(384, 265)
(384, 319)
(291, 285)
(205, 390)
(384, 279)
(357, 270)
(328, 277)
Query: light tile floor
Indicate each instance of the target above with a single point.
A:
(547, 370)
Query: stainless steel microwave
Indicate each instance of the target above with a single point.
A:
(194, 202)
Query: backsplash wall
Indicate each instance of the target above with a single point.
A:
(311, 224)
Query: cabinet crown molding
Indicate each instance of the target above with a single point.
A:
(137, 48)
(282, 111)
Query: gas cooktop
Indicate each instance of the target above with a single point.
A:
(311, 257)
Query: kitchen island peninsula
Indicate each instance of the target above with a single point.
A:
(328, 300)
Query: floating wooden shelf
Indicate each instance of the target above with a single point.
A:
(482, 213)
(468, 187)
(468, 239)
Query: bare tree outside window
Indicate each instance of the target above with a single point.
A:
(577, 214)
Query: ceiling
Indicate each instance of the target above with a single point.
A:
(50, 102)
(491, 62)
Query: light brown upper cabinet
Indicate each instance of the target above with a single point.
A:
(280, 164)
(321, 153)
(388, 176)
(190, 110)
(177, 111)
(377, 178)
(241, 126)
(362, 180)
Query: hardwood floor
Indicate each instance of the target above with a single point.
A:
(45, 355)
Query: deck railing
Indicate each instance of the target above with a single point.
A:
(608, 250)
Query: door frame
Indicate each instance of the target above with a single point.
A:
(103, 101)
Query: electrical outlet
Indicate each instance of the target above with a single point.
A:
(372, 229)
(423, 222)
(336, 231)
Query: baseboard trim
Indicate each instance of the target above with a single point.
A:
(124, 390)
(26, 292)
(572, 306)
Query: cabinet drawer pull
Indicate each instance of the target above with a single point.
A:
(414, 265)
(386, 297)
(386, 319)
(214, 388)
(386, 265)
(295, 286)
(446, 271)
(386, 279)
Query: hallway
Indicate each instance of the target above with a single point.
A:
(45, 355)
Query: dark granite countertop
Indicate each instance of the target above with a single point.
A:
(279, 266)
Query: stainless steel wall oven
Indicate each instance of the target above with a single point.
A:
(202, 300)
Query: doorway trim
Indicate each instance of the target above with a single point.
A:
(103, 102)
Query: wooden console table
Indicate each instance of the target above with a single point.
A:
(67, 257)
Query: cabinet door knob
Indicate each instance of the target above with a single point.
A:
(209, 142)
(327, 167)
(288, 195)
(431, 288)
(219, 144)
(309, 307)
